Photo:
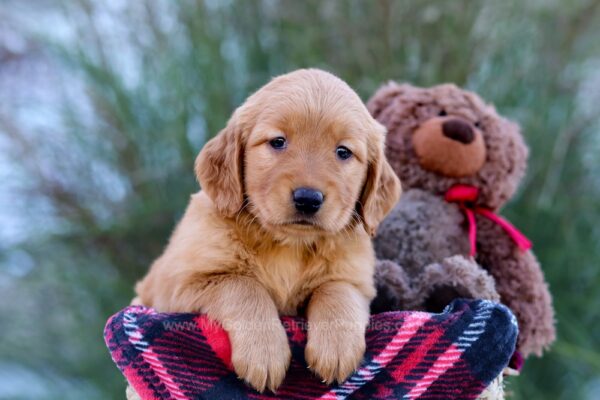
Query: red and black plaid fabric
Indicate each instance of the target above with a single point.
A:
(452, 355)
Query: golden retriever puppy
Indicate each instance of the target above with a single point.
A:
(292, 189)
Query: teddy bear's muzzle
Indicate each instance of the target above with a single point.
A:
(449, 146)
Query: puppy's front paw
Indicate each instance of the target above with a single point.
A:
(334, 352)
(261, 356)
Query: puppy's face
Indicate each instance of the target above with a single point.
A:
(305, 168)
(303, 156)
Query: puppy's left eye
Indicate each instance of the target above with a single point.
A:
(278, 143)
(343, 153)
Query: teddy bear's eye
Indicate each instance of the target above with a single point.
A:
(477, 124)
(442, 113)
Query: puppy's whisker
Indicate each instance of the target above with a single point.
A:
(354, 220)
(241, 210)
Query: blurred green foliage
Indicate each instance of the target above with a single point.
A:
(145, 83)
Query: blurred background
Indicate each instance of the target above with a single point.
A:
(104, 105)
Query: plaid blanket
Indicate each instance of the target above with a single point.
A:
(452, 355)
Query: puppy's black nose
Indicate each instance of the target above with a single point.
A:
(307, 200)
(458, 130)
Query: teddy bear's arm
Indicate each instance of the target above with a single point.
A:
(394, 291)
(454, 277)
(433, 289)
(521, 285)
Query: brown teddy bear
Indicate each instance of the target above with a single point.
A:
(459, 163)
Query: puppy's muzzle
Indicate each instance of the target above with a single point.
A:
(307, 200)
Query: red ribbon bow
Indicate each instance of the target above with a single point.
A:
(466, 196)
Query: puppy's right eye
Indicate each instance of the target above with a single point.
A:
(343, 153)
(278, 143)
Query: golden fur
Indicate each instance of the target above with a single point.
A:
(241, 255)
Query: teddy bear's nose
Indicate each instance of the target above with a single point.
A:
(458, 130)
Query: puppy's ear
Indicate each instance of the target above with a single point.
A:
(219, 169)
(382, 188)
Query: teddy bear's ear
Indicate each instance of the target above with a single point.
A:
(382, 188)
(384, 96)
(514, 164)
